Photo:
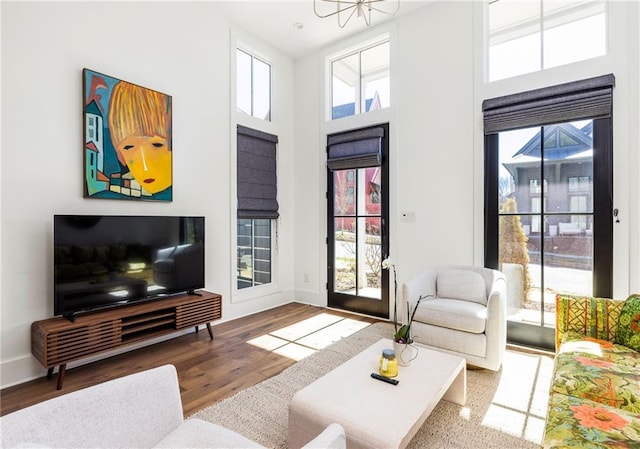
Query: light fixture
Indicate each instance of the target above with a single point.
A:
(346, 9)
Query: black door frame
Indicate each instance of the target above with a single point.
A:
(544, 336)
(354, 303)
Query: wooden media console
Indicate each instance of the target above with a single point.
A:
(58, 341)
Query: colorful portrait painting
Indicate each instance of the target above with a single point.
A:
(127, 140)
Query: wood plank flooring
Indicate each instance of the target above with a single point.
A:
(208, 370)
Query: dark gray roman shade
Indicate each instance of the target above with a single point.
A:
(355, 149)
(257, 178)
(588, 98)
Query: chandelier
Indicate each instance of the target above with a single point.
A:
(346, 9)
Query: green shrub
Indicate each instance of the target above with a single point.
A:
(513, 242)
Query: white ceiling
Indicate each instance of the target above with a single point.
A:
(273, 22)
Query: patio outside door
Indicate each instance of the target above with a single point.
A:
(357, 212)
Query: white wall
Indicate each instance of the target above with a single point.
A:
(431, 146)
(181, 49)
(435, 150)
(309, 208)
(436, 154)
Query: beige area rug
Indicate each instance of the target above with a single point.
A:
(504, 409)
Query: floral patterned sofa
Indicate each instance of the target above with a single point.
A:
(594, 397)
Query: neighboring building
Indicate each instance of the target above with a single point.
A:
(349, 109)
(567, 184)
(567, 187)
(345, 201)
(94, 149)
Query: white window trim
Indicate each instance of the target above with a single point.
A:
(245, 43)
(542, 72)
(390, 115)
(348, 50)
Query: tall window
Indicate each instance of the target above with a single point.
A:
(531, 35)
(253, 85)
(360, 81)
(257, 190)
(553, 236)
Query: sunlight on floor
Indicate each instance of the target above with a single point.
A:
(305, 337)
(519, 405)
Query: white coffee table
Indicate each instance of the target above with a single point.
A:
(376, 414)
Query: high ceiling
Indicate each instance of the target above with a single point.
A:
(275, 22)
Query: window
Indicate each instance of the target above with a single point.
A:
(578, 184)
(579, 204)
(535, 187)
(254, 252)
(257, 205)
(360, 81)
(253, 85)
(374, 193)
(350, 195)
(528, 36)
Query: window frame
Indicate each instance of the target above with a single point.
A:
(254, 57)
(254, 248)
(256, 289)
(543, 337)
(246, 44)
(359, 96)
(559, 104)
(540, 27)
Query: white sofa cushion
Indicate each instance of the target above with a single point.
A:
(454, 314)
(463, 343)
(462, 284)
(195, 433)
(132, 411)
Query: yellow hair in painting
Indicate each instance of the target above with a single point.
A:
(134, 110)
(139, 122)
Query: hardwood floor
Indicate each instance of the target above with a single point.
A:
(208, 370)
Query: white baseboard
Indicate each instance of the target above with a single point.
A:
(310, 297)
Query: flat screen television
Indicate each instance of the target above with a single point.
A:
(105, 261)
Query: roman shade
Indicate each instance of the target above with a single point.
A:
(256, 174)
(585, 99)
(355, 149)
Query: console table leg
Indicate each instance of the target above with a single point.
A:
(210, 330)
(61, 370)
(50, 373)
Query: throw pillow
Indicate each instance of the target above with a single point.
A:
(461, 284)
(592, 317)
(629, 323)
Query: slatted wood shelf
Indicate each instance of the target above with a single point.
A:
(58, 341)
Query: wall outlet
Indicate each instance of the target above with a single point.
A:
(306, 277)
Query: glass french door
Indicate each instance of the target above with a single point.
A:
(357, 240)
(552, 225)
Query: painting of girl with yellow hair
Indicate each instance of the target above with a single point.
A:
(127, 150)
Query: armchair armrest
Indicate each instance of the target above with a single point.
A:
(592, 317)
(422, 284)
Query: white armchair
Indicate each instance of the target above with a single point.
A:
(466, 314)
